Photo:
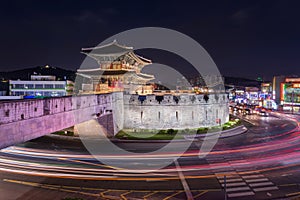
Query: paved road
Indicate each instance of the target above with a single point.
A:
(260, 164)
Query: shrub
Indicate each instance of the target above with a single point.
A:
(202, 130)
(162, 132)
(172, 131)
(121, 134)
(226, 127)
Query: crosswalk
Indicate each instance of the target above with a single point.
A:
(241, 185)
(238, 183)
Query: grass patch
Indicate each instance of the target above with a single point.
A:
(160, 135)
(170, 134)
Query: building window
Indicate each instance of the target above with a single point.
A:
(38, 93)
(159, 115)
(19, 86)
(29, 86)
(177, 115)
(47, 94)
(206, 114)
(29, 93)
(59, 86)
(39, 86)
(193, 115)
(49, 86)
(60, 94)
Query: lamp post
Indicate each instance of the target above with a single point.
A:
(293, 102)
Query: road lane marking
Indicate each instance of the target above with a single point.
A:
(230, 180)
(256, 180)
(237, 189)
(103, 192)
(253, 176)
(200, 194)
(183, 182)
(222, 173)
(173, 195)
(260, 184)
(123, 195)
(234, 184)
(240, 194)
(50, 187)
(265, 189)
(148, 195)
(292, 194)
(289, 184)
(228, 175)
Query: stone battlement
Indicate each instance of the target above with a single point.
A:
(175, 111)
(169, 99)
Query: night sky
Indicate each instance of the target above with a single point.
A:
(245, 38)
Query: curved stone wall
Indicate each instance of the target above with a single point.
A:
(177, 112)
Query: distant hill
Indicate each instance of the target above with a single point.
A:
(24, 74)
(62, 74)
(243, 82)
(235, 81)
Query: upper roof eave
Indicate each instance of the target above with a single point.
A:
(107, 48)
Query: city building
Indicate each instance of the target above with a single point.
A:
(40, 86)
(252, 95)
(290, 94)
(265, 90)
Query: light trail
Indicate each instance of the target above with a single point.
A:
(282, 152)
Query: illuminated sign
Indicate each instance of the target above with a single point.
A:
(239, 91)
(292, 80)
(296, 85)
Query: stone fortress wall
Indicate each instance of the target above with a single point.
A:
(23, 120)
(175, 111)
(13, 111)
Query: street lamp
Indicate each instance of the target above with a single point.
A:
(292, 102)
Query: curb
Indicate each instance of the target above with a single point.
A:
(242, 127)
(223, 134)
